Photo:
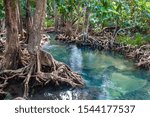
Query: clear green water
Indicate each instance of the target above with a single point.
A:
(107, 75)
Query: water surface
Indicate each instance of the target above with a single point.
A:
(107, 75)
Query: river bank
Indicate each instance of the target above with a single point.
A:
(107, 74)
(139, 54)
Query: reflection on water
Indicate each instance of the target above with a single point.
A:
(107, 75)
(76, 59)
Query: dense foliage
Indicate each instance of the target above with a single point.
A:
(2, 13)
(124, 13)
(127, 14)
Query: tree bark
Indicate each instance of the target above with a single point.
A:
(55, 16)
(12, 42)
(86, 23)
(29, 21)
(38, 20)
(2, 25)
(78, 15)
(20, 24)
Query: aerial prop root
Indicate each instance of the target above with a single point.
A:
(58, 72)
(43, 69)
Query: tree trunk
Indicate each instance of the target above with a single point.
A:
(2, 25)
(35, 32)
(148, 26)
(78, 15)
(86, 24)
(29, 21)
(56, 16)
(12, 42)
(20, 25)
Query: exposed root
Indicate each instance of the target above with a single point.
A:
(2, 86)
(106, 40)
(26, 85)
(42, 69)
(60, 72)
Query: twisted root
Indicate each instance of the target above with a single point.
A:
(43, 69)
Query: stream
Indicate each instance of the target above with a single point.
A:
(107, 75)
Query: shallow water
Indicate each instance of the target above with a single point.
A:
(107, 75)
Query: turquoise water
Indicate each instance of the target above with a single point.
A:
(107, 75)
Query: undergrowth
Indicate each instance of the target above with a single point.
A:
(136, 40)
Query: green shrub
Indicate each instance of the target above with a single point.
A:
(136, 41)
(48, 22)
